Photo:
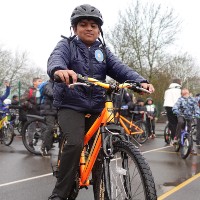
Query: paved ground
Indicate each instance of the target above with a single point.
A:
(27, 177)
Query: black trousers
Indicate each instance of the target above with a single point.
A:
(74, 125)
(181, 126)
(172, 119)
(48, 133)
(150, 123)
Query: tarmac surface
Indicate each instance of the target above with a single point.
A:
(24, 176)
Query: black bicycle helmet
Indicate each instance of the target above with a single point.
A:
(86, 11)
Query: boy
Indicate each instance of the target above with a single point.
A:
(88, 56)
(187, 106)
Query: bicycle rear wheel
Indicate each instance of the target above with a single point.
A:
(141, 138)
(126, 176)
(33, 140)
(8, 134)
(186, 147)
(167, 134)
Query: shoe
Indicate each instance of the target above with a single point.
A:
(55, 197)
(44, 152)
(150, 136)
(193, 152)
(153, 136)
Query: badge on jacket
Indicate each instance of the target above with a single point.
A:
(99, 55)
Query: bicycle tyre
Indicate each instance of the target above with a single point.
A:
(35, 145)
(194, 132)
(8, 134)
(140, 183)
(187, 146)
(141, 138)
(167, 134)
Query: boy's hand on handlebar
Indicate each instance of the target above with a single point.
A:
(148, 87)
(67, 76)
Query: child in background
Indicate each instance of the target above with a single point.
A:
(150, 119)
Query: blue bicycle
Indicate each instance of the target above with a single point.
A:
(185, 143)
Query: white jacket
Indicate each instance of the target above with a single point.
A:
(172, 94)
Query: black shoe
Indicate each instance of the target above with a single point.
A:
(55, 197)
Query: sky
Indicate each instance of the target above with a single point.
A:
(35, 26)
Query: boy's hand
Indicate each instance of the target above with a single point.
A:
(148, 86)
(66, 75)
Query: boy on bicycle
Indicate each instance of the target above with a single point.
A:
(85, 54)
(185, 108)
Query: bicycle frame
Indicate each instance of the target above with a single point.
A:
(3, 121)
(122, 121)
(86, 166)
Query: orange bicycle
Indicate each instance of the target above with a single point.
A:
(136, 129)
(123, 171)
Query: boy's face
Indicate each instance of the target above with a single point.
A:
(87, 31)
(37, 82)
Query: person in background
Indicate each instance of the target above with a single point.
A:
(15, 100)
(85, 54)
(187, 106)
(122, 102)
(49, 111)
(140, 110)
(30, 101)
(6, 94)
(150, 117)
(170, 98)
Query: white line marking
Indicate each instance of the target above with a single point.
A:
(41, 176)
(24, 180)
(156, 149)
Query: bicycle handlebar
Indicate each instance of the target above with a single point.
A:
(87, 81)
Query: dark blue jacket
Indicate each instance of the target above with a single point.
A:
(75, 55)
(4, 96)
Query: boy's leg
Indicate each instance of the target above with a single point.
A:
(72, 124)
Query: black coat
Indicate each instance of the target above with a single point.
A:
(46, 107)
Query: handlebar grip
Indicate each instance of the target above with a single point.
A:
(57, 79)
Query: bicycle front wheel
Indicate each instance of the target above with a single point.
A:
(32, 135)
(126, 176)
(8, 134)
(186, 147)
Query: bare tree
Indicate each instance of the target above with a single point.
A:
(18, 70)
(142, 35)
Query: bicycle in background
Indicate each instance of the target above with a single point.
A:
(137, 130)
(167, 131)
(185, 143)
(6, 128)
(36, 137)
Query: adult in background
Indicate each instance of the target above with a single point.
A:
(170, 98)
